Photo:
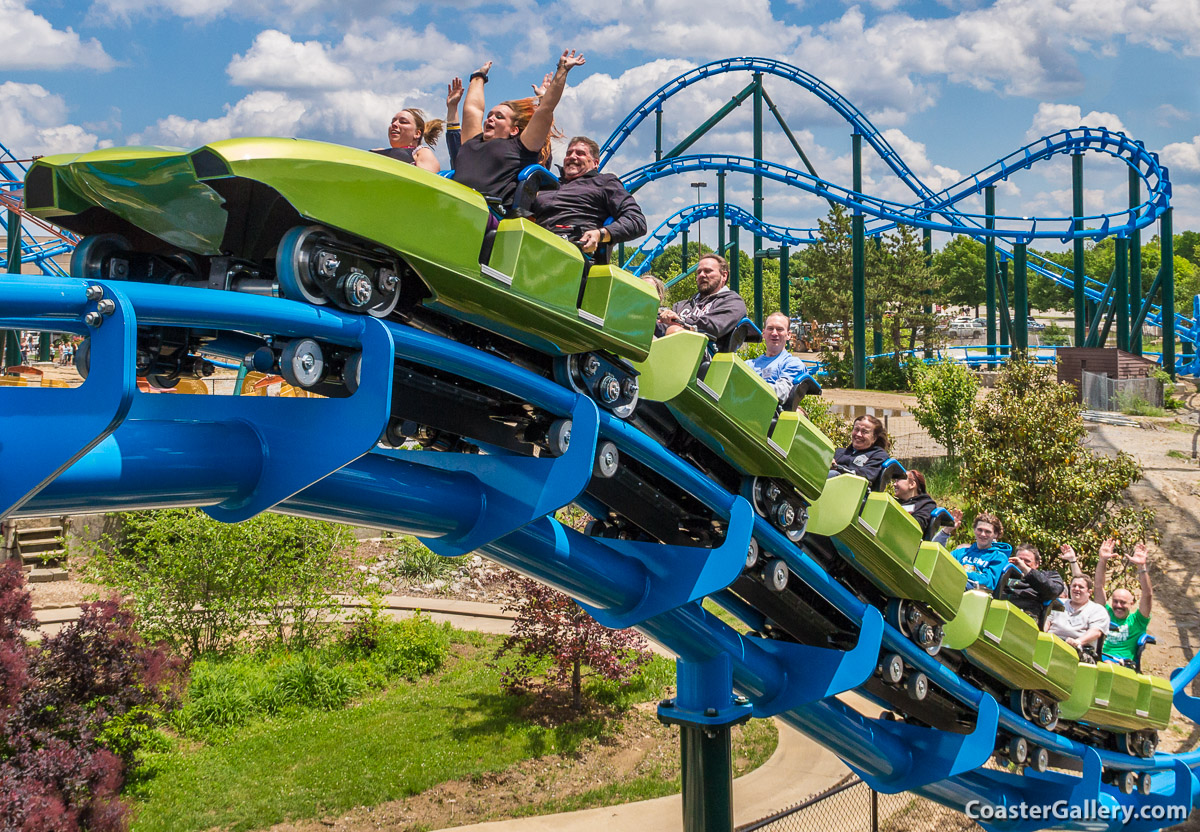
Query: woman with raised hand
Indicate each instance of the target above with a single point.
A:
(412, 137)
(512, 135)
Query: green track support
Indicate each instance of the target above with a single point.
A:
(720, 210)
(1135, 267)
(658, 154)
(758, 195)
(12, 338)
(1077, 248)
(735, 258)
(1002, 304)
(785, 284)
(989, 273)
(1121, 293)
(927, 242)
(1020, 334)
(858, 271)
(1165, 232)
(683, 251)
(712, 121)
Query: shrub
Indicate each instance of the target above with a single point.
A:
(888, 374)
(1023, 459)
(74, 712)
(945, 400)
(1055, 336)
(200, 584)
(1131, 404)
(554, 636)
(415, 562)
(839, 369)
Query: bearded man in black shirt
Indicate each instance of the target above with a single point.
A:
(586, 199)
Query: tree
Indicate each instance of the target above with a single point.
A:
(961, 268)
(826, 295)
(200, 584)
(1024, 460)
(552, 629)
(901, 286)
(945, 400)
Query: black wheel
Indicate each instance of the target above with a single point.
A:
(302, 363)
(558, 437)
(1047, 716)
(630, 388)
(83, 357)
(1039, 760)
(352, 372)
(293, 267)
(91, 258)
(1127, 782)
(752, 554)
(917, 686)
(1145, 780)
(608, 459)
(161, 382)
(891, 669)
(1018, 750)
(775, 575)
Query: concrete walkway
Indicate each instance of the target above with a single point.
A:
(798, 769)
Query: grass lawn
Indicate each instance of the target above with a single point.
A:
(456, 724)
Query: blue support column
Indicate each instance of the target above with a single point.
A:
(706, 710)
(858, 274)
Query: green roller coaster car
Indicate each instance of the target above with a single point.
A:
(242, 195)
(280, 203)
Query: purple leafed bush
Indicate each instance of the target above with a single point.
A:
(72, 711)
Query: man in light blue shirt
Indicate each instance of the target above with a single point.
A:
(778, 367)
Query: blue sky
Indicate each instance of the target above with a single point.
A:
(954, 84)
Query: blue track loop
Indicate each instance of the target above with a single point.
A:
(677, 575)
(936, 755)
(300, 441)
(516, 490)
(817, 672)
(76, 420)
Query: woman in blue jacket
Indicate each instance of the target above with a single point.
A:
(987, 557)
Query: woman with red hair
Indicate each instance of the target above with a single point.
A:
(513, 135)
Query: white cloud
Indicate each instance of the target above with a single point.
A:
(33, 121)
(266, 113)
(276, 61)
(280, 11)
(1050, 118)
(1182, 156)
(31, 42)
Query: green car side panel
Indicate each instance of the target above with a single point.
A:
(966, 627)
(944, 578)
(670, 366)
(1058, 662)
(838, 505)
(542, 265)
(884, 541)
(1117, 695)
(1007, 646)
(627, 305)
(1083, 692)
(1154, 701)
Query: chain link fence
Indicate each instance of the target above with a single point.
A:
(853, 806)
(1100, 392)
(909, 440)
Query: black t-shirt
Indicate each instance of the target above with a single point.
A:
(491, 167)
(400, 154)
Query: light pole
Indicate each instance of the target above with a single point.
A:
(698, 186)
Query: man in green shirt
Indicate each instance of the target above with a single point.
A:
(1127, 624)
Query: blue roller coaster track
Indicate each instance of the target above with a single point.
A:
(931, 210)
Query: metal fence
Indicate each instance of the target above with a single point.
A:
(909, 440)
(853, 806)
(1100, 392)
